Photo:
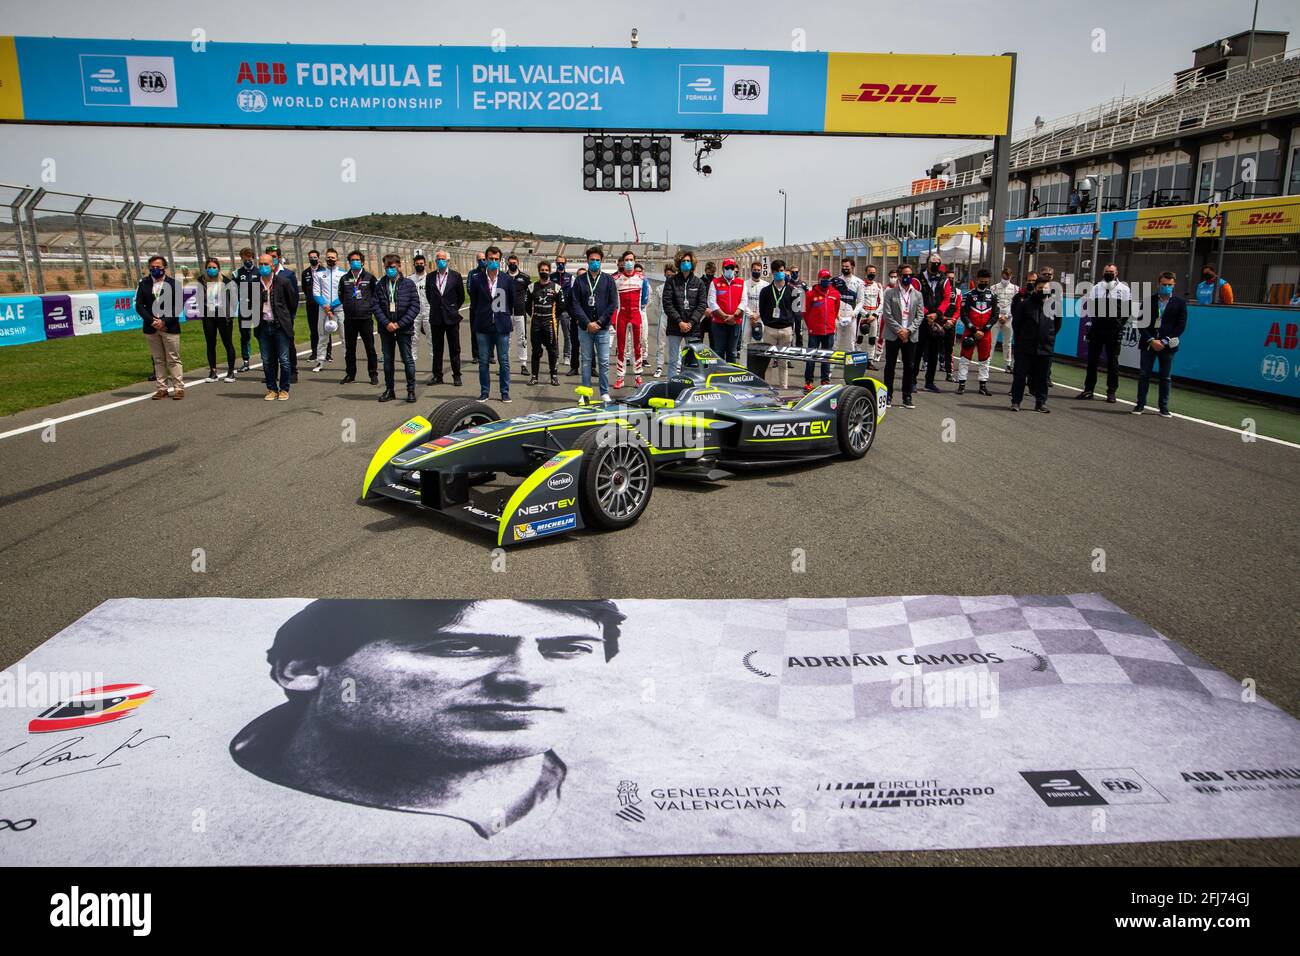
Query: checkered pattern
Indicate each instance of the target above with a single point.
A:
(1041, 641)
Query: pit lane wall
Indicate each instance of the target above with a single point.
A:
(34, 318)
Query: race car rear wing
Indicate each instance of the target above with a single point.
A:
(760, 357)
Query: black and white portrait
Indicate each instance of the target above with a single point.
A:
(440, 707)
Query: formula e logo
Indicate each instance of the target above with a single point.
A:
(778, 430)
(1059, 788)
(701, 85)
(746, 89)
(151, 81)
(559, 482)
(260, 74)
(897, 93)
(106, 76)
(251, 101)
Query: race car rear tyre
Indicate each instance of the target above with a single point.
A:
(856, 424)
(616, 478)
(457, 414)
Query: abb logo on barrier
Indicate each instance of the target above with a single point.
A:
(897, 93)
(122, 304)
(1283, 340)
(260, 74)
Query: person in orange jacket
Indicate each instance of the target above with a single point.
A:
(821, 309)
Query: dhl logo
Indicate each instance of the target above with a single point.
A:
(1264, 219)
(1154, 224)
(898, 93)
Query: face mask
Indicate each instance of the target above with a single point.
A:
(248, 263)
(512, 268)
(156, 272)
(893, 280)
(1109, 277)
(275, 262)
(492, 265)
(982, 284)
(355, 265)
(1207, 276)
(593, 265)
(391, 272)
(629, 266)
(779, 275)
(794, 275)
(756, 276)
(824, 283)
(871, 277)
(728, 274)
(440, 263)
(934, 267)
(685, 266)
(845, 271)
(264, 269)
(314, 261)
(212, 272)
(331, 262)
(1166, 290)
(480, 263)
(543, 277)
(419, 267)
(559, 267)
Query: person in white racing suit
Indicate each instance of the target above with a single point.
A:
(754, 286)
(661, 324)
(851, 296)
(1004, 291)
(422, 330)
(325, 290)
(869, 331)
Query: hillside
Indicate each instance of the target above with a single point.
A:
(423, 225)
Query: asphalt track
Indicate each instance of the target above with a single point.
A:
(1199, 529)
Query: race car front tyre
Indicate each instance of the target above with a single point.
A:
(615, 479)
(856, 422)
(457, 414)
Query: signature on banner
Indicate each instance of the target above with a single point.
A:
(65, 758)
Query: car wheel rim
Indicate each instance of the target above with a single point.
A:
(469, 421)
(622, 481)
(861, 424)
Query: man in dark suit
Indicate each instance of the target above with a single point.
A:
(1164, 318)
(159, 302)
(278, 265)
(491, 303)
(445, 290)
(593, 301)
(275, 305)
(1035, 321)
(305, 285)
(396, 306)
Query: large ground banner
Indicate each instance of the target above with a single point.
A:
(166, 83)
(220, 731)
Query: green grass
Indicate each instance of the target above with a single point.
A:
(42, 373)
(1273, 421)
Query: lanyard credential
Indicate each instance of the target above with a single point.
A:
(392, 295)
(591, 292)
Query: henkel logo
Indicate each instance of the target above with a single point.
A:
(896, 93)
(260, 74)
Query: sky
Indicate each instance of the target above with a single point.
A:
(531, 182)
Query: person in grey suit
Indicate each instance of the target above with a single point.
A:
(903, 311)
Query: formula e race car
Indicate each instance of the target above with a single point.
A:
(595, 464)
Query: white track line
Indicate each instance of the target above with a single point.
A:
(111, 405)
(1186, 418)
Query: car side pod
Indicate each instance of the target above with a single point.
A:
(381, 478)
(545, 503)
(662, 403)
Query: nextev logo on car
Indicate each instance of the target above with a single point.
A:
(75, 908)
(128, 80)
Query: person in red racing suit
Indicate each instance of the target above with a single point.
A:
(979, 317)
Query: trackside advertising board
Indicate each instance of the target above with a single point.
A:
(35, 318)
(168, 83)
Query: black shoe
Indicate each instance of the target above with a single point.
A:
(1015, 407)
(348, 379)
(907, 402)
(984, 390)
(934, 388)
(484, 397)
(1043, 408)
(572, 371)
(1083, 397)
(388, 395)
(244, 367)
(1110, 398)
(961, 388)
(554, 379)
(374, 379)
(457, 381)
(947, 376)
(533, 380)
(435, 380)
(410, 398)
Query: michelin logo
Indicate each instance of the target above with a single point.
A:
(538, 529)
